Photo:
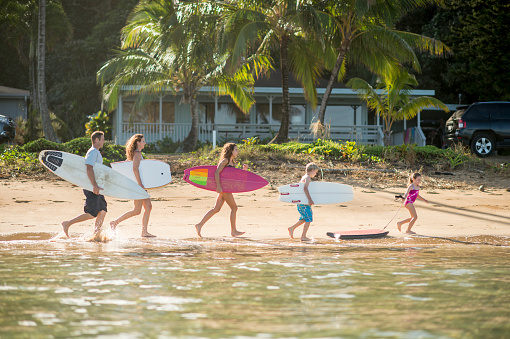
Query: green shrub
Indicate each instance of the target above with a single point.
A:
(16, 155)
(113, 152)
(99, 122)
(110, 151)
(429, 152)
(78, 146)
(41, 144)
(167, 145)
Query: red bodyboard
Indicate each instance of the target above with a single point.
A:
(358, 234)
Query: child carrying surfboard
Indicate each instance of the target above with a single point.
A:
(95, 203)
(305, 211)
(227, 159)
(134, 147)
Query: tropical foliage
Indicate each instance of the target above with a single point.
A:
(477, 32)
(31, 27)
(82, 33)
(391, 98)
(99, 122)
(171, 46)
(292, 29)
(363, 34)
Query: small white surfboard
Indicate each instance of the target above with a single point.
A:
(154, 173)
(322, 193)
(72, 168)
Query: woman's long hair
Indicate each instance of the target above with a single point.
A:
(226, 152)
(132, 144)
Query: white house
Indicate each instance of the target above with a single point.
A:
(347, 116)
(14, 102)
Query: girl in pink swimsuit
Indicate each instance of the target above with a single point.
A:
(413, 193)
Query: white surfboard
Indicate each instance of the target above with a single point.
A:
(72, 168)
(154, 173)
(322, 193)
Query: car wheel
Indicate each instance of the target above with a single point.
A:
(483, 145)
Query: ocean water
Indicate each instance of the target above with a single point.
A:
(240, 288)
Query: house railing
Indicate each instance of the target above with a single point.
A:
(364, 134)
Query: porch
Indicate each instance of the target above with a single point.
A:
(347, 117)
(364, 134)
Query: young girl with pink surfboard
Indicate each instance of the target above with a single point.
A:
(227, 159)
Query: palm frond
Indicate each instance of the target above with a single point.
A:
(411, 109)
(306, 67)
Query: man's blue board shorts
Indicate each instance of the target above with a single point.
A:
(305, 212)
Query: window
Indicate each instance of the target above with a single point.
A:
(297, 114)
(263, 114)
(478, 112)
(230, 114)
(501, 112)
(206, 113)
(339, 115)
(149, 113)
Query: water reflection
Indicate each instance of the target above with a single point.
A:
(380, 288)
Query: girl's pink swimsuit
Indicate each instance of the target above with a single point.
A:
(411, 197)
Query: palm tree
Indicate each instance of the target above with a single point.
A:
(49, 132)
(363, 34)
(168, 45)
(391, 98)
(285, 27)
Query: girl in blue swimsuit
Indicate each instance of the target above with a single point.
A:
(413, 193)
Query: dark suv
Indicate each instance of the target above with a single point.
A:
(484, 126)
(7, 129)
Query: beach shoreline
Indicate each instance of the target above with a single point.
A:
(33, 206)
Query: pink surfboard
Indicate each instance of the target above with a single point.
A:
(233, 180)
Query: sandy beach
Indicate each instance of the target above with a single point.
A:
(28, 206)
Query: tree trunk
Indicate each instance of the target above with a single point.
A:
(387, 137)
(334, 75)
(190, 142)
(33, 108)
(49, 133)
(283, 133)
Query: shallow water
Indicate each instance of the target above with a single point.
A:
(226, 288)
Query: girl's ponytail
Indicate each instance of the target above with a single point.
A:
(413, 177)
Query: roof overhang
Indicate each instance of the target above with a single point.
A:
(336, 92)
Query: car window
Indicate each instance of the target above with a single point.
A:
(501, 112)
(478, 112)
(458, 114)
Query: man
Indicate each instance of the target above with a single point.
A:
(95, 204)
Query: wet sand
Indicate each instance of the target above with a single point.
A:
(41, 206)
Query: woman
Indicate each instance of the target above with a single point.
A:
(134, 147)
(227, 159)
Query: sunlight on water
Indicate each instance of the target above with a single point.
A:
(240, 288)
